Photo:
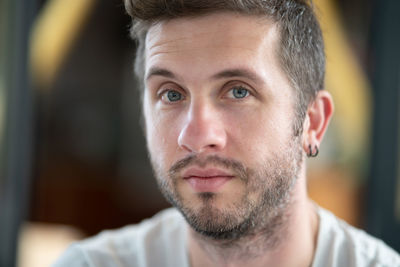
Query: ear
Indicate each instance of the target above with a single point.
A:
(317, 119)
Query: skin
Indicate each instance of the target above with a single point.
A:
(195, 57)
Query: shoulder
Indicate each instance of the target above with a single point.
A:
(145, 244)
(340, 244)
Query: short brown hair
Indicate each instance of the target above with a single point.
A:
(301, 47)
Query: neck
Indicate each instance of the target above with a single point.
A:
(292, 243)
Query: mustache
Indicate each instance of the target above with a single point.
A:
(194, 160)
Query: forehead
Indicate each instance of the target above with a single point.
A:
(230, 24)
(193, 51)
(227, 33)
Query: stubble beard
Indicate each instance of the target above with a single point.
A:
(271, 183)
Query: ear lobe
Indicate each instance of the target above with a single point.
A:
(319, 113)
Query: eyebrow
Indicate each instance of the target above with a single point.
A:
(239, 72)
(157, 71)
(228, 73)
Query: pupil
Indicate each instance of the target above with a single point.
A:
(173, 96)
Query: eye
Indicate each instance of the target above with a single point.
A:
(238, 92)
(171, 96)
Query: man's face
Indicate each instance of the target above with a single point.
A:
(219, 115)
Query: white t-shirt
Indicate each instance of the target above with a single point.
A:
(161, 241)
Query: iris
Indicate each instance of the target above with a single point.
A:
(174, 96)
(240, 92)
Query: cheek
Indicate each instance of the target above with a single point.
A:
(257, 133)
(162, 135)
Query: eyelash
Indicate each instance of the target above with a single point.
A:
(163, 94)
(239, 87)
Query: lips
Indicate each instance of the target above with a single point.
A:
(206, 180)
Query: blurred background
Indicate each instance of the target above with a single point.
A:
(72, 154)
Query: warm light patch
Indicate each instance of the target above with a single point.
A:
(55, 30)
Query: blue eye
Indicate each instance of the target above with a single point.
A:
(239, 92)
(174, 96)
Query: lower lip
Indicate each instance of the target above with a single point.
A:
(207, 184)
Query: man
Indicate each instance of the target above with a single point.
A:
(233, 103)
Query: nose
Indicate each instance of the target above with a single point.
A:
(203, 130)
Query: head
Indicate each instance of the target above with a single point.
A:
(228, 89)
(300, 50)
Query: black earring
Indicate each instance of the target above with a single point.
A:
(310, 152)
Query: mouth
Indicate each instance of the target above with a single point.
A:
(206, 180)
